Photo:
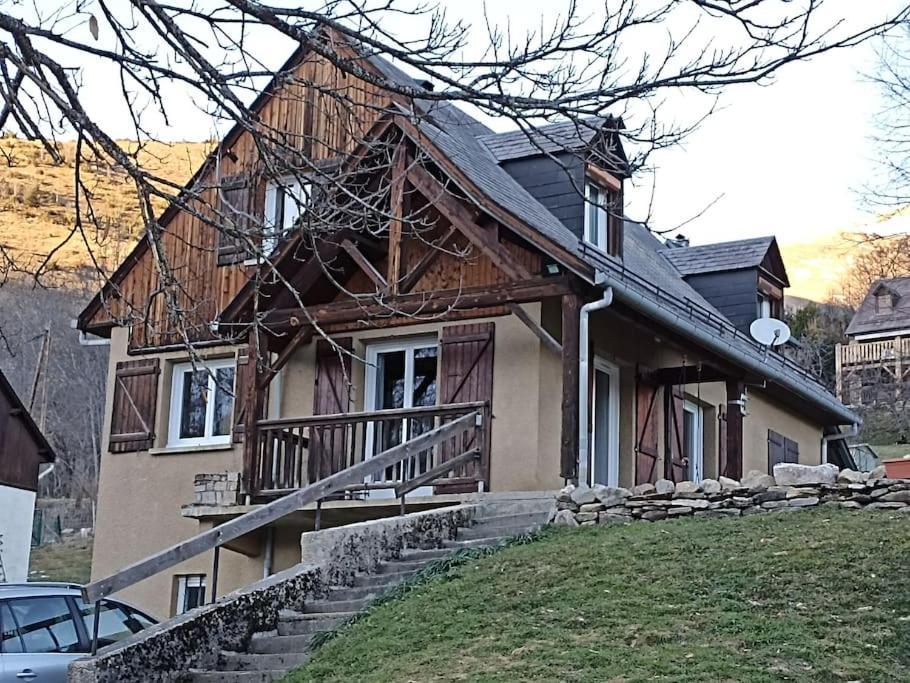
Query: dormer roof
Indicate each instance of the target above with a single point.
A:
(870, 319)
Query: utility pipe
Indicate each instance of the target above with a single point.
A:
(584, 352)
(853, 431)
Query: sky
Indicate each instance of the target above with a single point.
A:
(788, 158)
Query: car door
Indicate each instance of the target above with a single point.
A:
(39, 639)
(116, 621)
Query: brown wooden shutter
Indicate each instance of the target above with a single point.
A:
(677, 467)
(791, 451)
(466, 376)
(328, 445)
(646, 453)
(722, 464)
(777, 452)
(616, 225)
(135, 398)
(235, 204)
(241, 377)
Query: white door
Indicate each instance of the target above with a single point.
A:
(604, 440)
(401, 374)
(694, 440)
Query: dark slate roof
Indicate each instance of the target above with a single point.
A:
(867, 321)
(714, 258)
(549, 139)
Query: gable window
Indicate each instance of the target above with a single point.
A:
(202, 404)
(285, 199)
(770, 299)
(603, 214)
(883, 302)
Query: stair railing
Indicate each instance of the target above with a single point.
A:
(214, 538)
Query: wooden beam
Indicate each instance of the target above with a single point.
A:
(257, 351)
(270, 513)
(364, 264)
(603, 178)
(536, 328)
(571, 308)
(734, 466)
(687, 374)
(421, 303)
(462, 218)
(435, 248)
(399, 164)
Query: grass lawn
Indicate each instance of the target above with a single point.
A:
(70, 560)
(810, 596)
(889, 451)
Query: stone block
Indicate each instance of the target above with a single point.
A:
(642, 489)
(582, 495)
(564, 518)
(896, 497)
(654, 515)
(792, 474)
(728, 484)
(611, 495)
(803, 502)
(582, 517)
(755, 479)
(718, 513)
(710, 486)
(773, 504)
(610, 518)
(851, 477)
(677, 512)
(687, 487)
(771, 494)
(664, 486)
(885, 506)
(590, 507)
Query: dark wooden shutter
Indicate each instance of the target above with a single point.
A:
(677, 467)
(616, 225)
(135, 398)
(235, 205)
(241, 377)
(328, 445)
(777, 450)
(646, 453)
(791, 451)
(722, 464)
(466, 376)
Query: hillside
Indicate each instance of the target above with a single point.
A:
(37, 202)
(813, 596)
(816, 268)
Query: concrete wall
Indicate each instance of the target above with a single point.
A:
(17, 509)
(764, 415)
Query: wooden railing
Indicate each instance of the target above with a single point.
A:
(874, 351)
(294, 452)
(468, 427)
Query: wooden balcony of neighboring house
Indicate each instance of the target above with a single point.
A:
(870, 372)
(873, 352)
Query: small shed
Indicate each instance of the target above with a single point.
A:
(23, 449)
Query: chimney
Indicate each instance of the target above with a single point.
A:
(426, 85)
(678, 242)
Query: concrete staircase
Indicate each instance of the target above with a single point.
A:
(270, 655)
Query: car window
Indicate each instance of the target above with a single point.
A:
(45, 624)
(9, 632)
(116, 621)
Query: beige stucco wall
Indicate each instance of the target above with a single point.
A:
(763, 415)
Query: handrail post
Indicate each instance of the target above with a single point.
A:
(318, 514)
(95, 626)
(215, 556)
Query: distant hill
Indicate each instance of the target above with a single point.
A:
(817, 268)
(37, 201)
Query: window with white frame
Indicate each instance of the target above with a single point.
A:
(694, 439)
(190, 592)
(285, 199)
(597, 217)
(202, 403)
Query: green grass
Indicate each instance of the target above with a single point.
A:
(889, 451)
(70, 560)
(811, 596)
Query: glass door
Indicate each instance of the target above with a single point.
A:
(605, 424)
(401, 375)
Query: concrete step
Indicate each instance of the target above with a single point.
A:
(334, 606)
(475, 542)
(516, 507)
(300, 624)
(398, 566)
(356, 592)
(272, 643)
(244, 661)
(424, 554)
(381, 581)
(486, 531)
(195, 676)
(517, 519)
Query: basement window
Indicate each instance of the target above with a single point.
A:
(202, 404)
(190, 592)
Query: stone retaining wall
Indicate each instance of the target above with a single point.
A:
(219, 489)
(331, 557)
(793, 487)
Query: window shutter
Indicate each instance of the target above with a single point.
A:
(722, 465)
(646, 453)
(466, 376)
(791, 451)
(776, 450)
(617, 225)
(135, 398)
(328, 445)
(235, 206)
(677, 466)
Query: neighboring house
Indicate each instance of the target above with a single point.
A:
(22, 451)
(664, 385)
(874, 367)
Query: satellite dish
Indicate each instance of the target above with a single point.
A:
(769, 331)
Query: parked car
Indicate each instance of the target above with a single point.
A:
(45, 626)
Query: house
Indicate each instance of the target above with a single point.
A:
(23, 449)
(520, 304)
(873, 368)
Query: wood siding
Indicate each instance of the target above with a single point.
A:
(21, 453)
(321, 126)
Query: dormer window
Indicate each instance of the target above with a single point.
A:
(770, 299)
(884, 302)
(603, 211)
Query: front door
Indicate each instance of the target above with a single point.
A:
(401, 375)
(605, 424)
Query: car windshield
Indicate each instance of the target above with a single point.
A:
(116, 621)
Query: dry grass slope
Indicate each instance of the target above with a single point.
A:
(37, 205)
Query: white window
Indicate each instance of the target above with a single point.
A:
(597, 217)
(694, 439)
(202, 404)
(285, 199)
(605, 424)
(190, 592)
(764, 306)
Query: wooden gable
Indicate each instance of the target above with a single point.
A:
(323, 112)
(22, 446)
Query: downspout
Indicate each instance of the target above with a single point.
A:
(853, 431)
(584, 352)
